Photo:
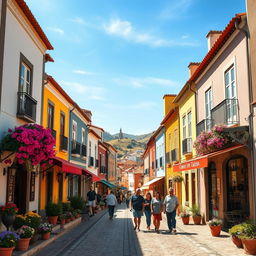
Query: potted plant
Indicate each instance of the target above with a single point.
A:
(77, 213)
(177, 178)
(53, 211)
(8, 212)
(45, 230)
(248, 237)
(77, 202)
(8, 242)
(25, 233)
(196, 215)
(66, 207)
(215, 226)
(68, 217)
(235, 232)
(184, 214)
(72, 215)
(62, 219)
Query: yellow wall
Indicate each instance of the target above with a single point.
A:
(168, 103)
(187, 104)
(59, 107)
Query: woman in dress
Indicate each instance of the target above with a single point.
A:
(148, 209)
(157, 206)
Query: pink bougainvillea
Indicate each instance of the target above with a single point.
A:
(210, 141)
(30, 142)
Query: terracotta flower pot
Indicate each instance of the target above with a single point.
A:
(215, 230)
(237, 241)
(46, 236)
(23, 244)
(197, 220)
(67, 220)
(249, 246)
(185, 220)
(72, 218)
(62, 222)
(52, 220)
(6, 251)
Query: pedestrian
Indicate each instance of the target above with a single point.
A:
(128, 198)
(157, 206)
(91, 196)
(170, 206)
(111, 202)
(137, 207)
(148, 209)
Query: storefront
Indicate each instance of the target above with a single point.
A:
(153, 186)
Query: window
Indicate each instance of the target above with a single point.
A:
(189, 125)
(184, 129)
(25, 78)
(50, 115)
(62, 123)
(208, 107)
(95, 154)
(90, 148)
(230, 90)
(83, 136)
(175, 139)
(187, 187)
(74, 130)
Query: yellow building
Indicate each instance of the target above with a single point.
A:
(172, 144)
(56, 105)
(187, 127)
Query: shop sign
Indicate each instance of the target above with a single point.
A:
(193, 164)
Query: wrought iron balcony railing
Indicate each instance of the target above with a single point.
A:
(76, 148)
(63, 143)
(26, 107)
(174, 155)
(84, 151)
(187, 146)
(204, 125)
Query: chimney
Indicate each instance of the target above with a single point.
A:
(168, 103)
(192, 66)
(212, 37)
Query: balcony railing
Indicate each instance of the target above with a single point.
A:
(26, 107)
(174, 155)
(204, 125)
(226, 113)
(76, 148)
(103, 169)
(84, 151)
(186, 146)
(63, 143)
(167, 158)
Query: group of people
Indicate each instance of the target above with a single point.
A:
(154, 206)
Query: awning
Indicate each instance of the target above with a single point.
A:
(202, 161)
(151, 182)
(95, 178)
(124, 188)
(67, 167)
(110, 185)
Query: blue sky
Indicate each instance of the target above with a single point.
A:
(119, 57)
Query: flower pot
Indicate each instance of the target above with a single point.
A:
(185, 220)
(52, 220)
(62, 222)
(46, 236)
(237, 241)
(215, 230)
(67, 220)
(249, 246)
(72, 218)
(6, 251)
(23, 244)
(8, 220)
(197, 220)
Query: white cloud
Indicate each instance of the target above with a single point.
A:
(83, 72)
(143, 105)
(137, 82)
(125, 30)
(78, 20)
(175, 9)
(56, 30)
(85, 91)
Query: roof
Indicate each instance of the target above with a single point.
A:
(31, 18)
(225, 35)
(48, 58)
(213, 32)
(110, 146)
(151, 182)
(97, 127)
(94, 133)
(167, 95)
(172, 111)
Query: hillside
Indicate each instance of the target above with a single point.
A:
(108, 137)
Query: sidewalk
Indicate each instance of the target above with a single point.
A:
(200, 236)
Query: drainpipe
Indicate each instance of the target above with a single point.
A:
(251, 115)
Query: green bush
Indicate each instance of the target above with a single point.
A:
(195, 210)
(53, 209)
(66, 207)
(77, 202)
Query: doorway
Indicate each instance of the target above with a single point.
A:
(212, 190)
(193, 179)
(49, 186)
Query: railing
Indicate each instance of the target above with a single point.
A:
(167, 158)
(63, 143)
(76, 148)
(204, 125)
(26, 107)
(84, 151)
(103, 169)
(226, 113)
(187, 146)
(174, 155)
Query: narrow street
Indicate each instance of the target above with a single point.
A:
(117, 238)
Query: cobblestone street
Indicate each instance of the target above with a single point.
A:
(99, 236)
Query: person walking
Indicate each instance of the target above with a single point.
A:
(128, 198)
(137, 207)
(170, 206)
(157, 206)
(111, 202)
(148, 209)
(91, 196)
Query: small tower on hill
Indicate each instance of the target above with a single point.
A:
(121, 136)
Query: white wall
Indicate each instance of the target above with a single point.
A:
(94, 142)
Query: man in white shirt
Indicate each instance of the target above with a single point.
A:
(111, 202)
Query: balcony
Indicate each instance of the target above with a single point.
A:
(75, 149)
(174, 155)
(63, 143)
(167, 158)
(91, 161)
(84, 151)
(26, 107)
(103, 169)
(226, 113)
(54, 134)
(187, 146)
(97, 163)
(204, 125)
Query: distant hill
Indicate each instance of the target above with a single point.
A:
(107, 136)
